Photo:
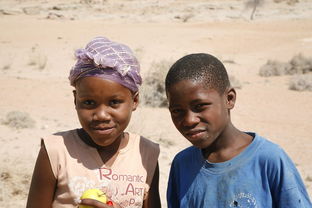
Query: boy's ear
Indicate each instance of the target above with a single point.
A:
(75, 94)
(230, 98)
(135, 101)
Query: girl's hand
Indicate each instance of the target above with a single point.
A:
(97, 204)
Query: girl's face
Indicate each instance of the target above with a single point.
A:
(104, 108)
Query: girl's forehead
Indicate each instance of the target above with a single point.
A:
(102, 87)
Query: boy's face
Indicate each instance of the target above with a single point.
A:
(104, 108)
(199, 113)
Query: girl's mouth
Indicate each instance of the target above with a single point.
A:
(103, 131)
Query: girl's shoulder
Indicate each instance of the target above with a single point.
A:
(148, 143)
(146, 146)
(60, 141)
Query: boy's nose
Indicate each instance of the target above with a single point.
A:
(190, 119)
(101, 114)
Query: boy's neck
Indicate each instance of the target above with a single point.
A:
(229, 144)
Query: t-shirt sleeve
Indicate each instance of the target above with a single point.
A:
(149, 153)
(172, 189)
(288, 189)
(51, 145)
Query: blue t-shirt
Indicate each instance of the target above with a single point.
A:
(262, 176)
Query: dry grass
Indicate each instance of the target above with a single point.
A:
(301, 82)
(153, 88)
(299, 64)
(300, 67)
(18, 120)
(37, 58)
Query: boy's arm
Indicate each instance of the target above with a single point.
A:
(172, 190)
(43, 182)
(153, 200)
(288, 187)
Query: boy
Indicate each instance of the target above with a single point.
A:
(225, 167)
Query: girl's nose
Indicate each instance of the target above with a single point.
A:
(190, 119)
(101, 114)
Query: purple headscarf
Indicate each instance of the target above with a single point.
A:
(108, 60)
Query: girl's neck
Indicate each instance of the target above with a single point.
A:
(119, 143)
(109, 153)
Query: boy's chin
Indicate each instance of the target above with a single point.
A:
(201, 144)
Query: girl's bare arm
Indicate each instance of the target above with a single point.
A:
(43, 182)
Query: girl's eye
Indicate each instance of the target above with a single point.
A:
(115, 103)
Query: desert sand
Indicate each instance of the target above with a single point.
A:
(37, 43)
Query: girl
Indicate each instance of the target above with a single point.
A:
(100, 154)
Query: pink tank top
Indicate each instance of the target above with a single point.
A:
(78, 167)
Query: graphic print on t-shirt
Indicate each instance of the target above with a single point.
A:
(126, 189)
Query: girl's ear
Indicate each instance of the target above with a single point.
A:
(74, 93)
(230, 98)
(135, 101)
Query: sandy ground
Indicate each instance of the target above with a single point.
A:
(38, 38)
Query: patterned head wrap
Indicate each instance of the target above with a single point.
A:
(108, 60)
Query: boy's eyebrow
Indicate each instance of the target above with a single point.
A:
(174, 106)
(191, 103)
(196, 101)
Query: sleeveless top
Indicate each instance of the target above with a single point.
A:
(78, 167)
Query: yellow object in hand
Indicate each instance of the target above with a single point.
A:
(95, 194)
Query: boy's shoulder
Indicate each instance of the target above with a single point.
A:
(188, 155)
(260, 149)
(187, 152)
(268, 149)
(267, 154)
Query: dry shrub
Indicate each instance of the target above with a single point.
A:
(309, 179)
(153, 88)
(302, 82)
(274, 68)
(300, 65)
(289, 2)
(13, 188)
(18, 120)
(297, 65)
(235, 82)
(37, 58)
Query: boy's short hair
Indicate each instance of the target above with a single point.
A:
(200, 67)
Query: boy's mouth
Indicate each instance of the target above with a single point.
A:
(195, 134)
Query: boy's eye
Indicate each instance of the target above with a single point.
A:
(88, 102)
(200, 107)
(176, 112)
